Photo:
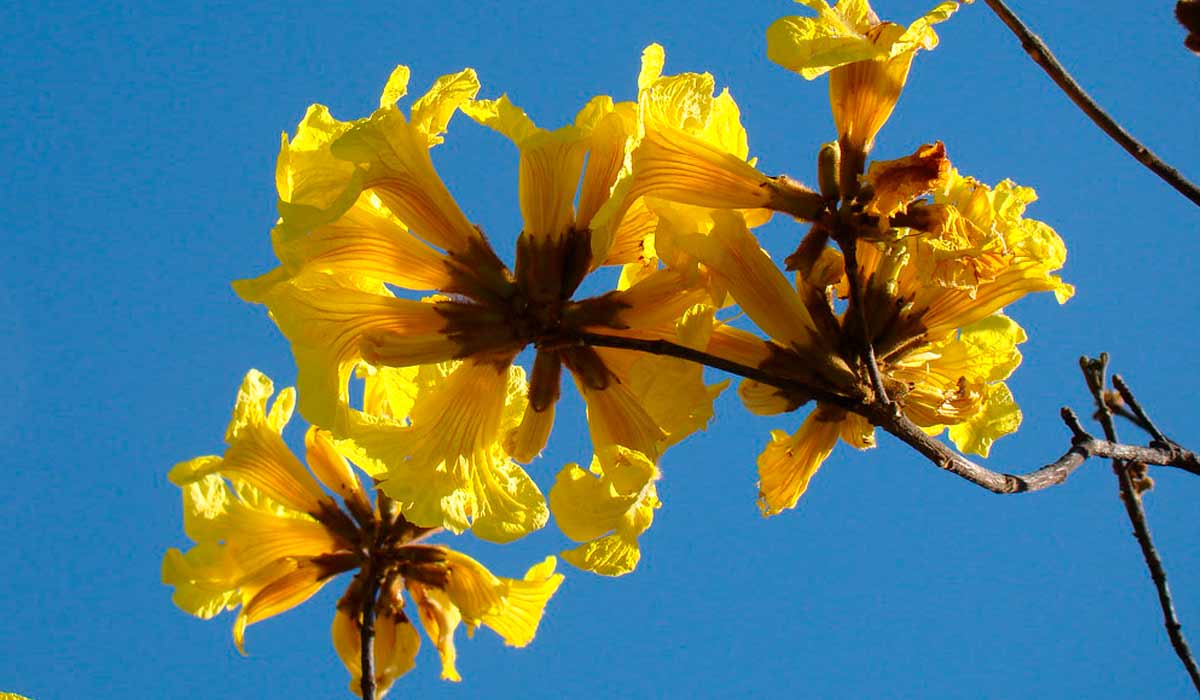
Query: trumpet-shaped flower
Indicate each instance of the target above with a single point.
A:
(270, 533)
(952, 254)
(692, 152)
(364, 214)
(868, 60)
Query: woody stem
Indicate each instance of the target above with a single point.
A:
(1041, 55)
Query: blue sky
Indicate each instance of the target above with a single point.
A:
(140, 142)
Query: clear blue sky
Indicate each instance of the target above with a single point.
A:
(139, 143)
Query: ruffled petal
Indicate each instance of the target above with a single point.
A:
(607, 508)
(789, 462)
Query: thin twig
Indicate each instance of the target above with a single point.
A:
(1082, 448)
(1094, 371)
(1073, 423)
(683, 352)
(1143, 420)
(1041, 55)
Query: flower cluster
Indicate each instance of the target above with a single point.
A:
(270, 533)
(387, 291)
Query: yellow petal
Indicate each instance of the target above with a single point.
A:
(672, 391)
(857, 432)
(206, 497)
(762, 291)
(396, 639)
(258, 455)
(432, 112)
(863, 94)
(257, 540)
(606, 156)
(396, 86)
(440, 617)
(398, 169)
(332, 469)
(447, 467)
(205, 579)
(508, 504)
(503, 116)
(789, 462)
(616, 417)
(367, 240)
(676, 166)
(617, 496)
(764, 399)
(611, 555)
(520, 612)
(811, 46)
(528, 440)
(281, 595)
(511, 608)
(330, 325)
(997, 417)
(549, 177)
(315, 187)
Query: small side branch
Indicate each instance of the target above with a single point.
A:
(1141, 531)
(1041, 55)
(884, 415)
(683, 352)
(1083, 447)
(1094, 371)
(1139, 416)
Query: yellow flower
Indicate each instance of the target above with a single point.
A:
(268, 535)
(954, 253)
(691, 151)
(869, 60)
(419, 433)
(364, 213)
(606, 508)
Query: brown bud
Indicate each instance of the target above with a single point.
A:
(544, 379)
(828, 165)
(587, 366)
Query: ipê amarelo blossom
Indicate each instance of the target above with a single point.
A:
(363, 214)
(867, 60)
(935, 280)
(269, 533)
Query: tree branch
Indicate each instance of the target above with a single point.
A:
(1094, 372)
(683, 352)
(1083, 447)
(1041, 55)
(885, 416)
(1140, 418)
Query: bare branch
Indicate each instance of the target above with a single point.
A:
(1131, 497)
(885, 416)
(1142, 420)
(1083, 447)
(1041, 55)
(683, 352)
